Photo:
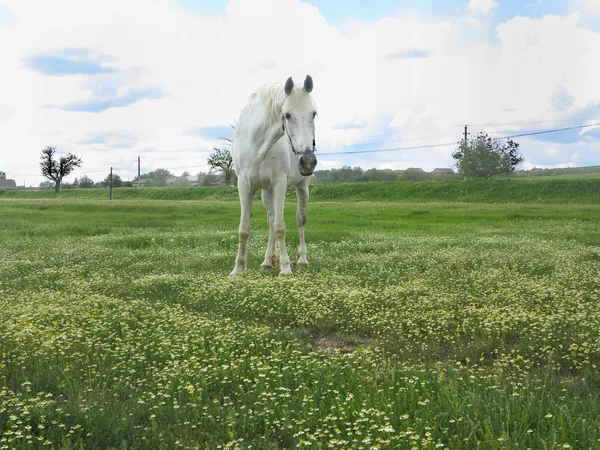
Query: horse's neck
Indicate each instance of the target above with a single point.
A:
(272, 134)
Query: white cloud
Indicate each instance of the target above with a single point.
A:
(540, 69)
(589, 6)
(482, 6)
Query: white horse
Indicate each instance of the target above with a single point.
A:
(273, 147)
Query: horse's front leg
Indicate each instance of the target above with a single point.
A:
(279, 226)
(302, 196)
(246, 196)
(269, 262)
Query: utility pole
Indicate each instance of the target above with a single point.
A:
(110, 184)
(466, 135)
(138, 167)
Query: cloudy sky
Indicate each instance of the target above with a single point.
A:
(111, 80)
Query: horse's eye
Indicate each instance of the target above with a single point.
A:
(288, 116)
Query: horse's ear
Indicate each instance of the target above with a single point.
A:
(308, 84)
(289, 85)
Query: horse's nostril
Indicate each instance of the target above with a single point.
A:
(308, 162)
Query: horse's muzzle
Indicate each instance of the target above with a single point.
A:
(308, 162)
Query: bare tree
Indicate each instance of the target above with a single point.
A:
(221, 159)
(56, 170)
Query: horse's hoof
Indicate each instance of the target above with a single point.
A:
(266, 267)
(236, 273)
(302, 264)
(285, 273)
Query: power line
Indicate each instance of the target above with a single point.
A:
(389, 149)
(420, 147)
(496, 124)
(452, 126)
(550, 131)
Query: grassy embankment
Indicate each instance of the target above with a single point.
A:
(531, 190)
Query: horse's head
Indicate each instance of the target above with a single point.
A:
(298, 122)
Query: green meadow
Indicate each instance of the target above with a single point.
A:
(432, 315)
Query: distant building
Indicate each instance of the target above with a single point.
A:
(193, 180)
(443, 171)
(140, 182)
(7, 184)
(415, 169)
(178, 181)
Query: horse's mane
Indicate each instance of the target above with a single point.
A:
(274, 100)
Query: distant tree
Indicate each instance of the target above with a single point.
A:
(380, 175)
(84, 182)
(221, 160)
(157, 178)
(347, 174)
(2, 176)
(46, 185)
(415, 175)
(56, 170)
(158, 174)
(127, 184)
(185, 174)
(321, 176)
(116, 180)
(484, 157)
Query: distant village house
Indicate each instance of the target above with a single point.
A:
(442, 171)
(7, 184)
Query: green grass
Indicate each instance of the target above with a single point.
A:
(557, 190)
(418, 324)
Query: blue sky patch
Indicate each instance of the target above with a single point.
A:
(340, 12)
(70, 62)
(99, 105)
(110, 84)
(350, 125)
(586, 116)
(212, 133)
(111, 138)
(408, 54)
(6, 16)
(203, 7)
(567, 136)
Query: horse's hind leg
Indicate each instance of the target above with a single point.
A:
(267, 199)
(246, 196)
(302, 196)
